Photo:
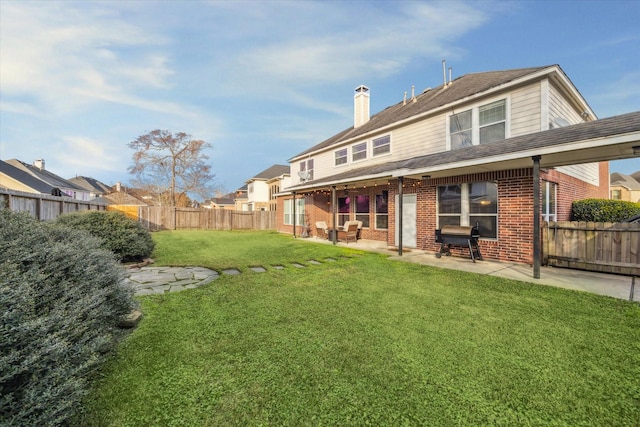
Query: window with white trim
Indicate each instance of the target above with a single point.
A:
(549, 190)
(362, 209)
(479, 125)
(492, 121)
(382, 211)
(359, 152)
(307, 165)
(460, 130)
(470, 204)
(344, 204)
(341, 157)
(381, 145)
(288, 211)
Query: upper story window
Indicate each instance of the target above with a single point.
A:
(381, 145)
(359, 151)
(341, 157)
(307, 166)
(492, 122)
(250, 187)
(460, 130)
(478, 125)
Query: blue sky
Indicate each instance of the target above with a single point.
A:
(264, 80)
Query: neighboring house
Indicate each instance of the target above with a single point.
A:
(12, 178)
(241, 200)
(38, 171)
(95, 187)
(625, 187)
(226, 201)
(475, 150)
(261, 188)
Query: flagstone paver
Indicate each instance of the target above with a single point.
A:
(159, 280)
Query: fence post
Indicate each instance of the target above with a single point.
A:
(633, 288)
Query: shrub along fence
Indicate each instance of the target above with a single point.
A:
(172, 218)
(595, 246)
(44, 207)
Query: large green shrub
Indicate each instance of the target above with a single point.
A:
(61, 299)
(125, 237)
(603, 210)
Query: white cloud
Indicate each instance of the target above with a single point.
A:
(380, 43)
(51, 49)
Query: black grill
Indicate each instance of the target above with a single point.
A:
(458, 235)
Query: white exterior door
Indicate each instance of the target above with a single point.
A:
(409, 220)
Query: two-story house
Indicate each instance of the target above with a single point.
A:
(625, 187)
(477, 150)
(38, 171)
(261, 188)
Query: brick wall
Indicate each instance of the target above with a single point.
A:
(515, 209)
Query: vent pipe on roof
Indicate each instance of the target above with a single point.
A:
(361, 106)
(444, 73)
(404, 102)
(450, 79)
(413, 93)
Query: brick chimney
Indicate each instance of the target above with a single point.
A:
(361, 106)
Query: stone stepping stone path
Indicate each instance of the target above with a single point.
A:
(160, 280)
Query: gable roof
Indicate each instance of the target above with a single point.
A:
(622, 180)
(45, 176)
(27, 179)
(566, 144)
(91, 184)
(459, 90)
(272, 172)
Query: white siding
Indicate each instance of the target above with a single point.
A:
(418, 139)
(260, 192)
(588, 172)
(559, 107)
(525, 110)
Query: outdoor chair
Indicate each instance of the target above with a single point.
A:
(350, 231)
(359, 229)
(321, 230)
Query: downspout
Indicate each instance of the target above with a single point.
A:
(294, 214)
(334, 214)
(536, 217)
(399, 210)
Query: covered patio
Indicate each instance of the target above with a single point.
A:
(526, 157)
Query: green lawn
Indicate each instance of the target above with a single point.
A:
(364, 340)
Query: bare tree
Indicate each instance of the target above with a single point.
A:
(173, 163)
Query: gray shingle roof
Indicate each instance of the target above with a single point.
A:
(461, 88)
(273, 171)
(90, 184)
(44, 175)
(623, 180)
(26, 179)
(611, 126)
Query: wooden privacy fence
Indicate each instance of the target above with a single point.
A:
(44, 207)
(594, 246)
(171, 218)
